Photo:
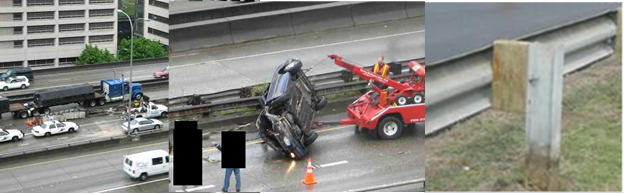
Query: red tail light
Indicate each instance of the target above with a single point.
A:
(132, 171)
(36, 131)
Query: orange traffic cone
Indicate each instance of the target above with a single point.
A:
(28, 122)
(309, 176)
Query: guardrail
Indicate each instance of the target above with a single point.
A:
(23, 98)
(105, 140)
(232, 99)
(460, 88)
(66, 69)
(288, 22)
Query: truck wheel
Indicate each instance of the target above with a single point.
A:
(321, 103)
(138, 96)
(46, 111)
(143, 177)
(23, 115)
(92, 103)
(102, 102)
(401, 100)
(390, 128)
(5, 88)
(164, 115)
(418, 98)
(23, 86)
(357, 129)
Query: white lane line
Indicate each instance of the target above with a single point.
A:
(333, 164)
(195, 189)
(24, 144)
(139, 184)
(298, 49)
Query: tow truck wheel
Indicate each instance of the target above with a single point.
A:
(164, 115)
(418, 98)
(357, 129)
(401, 100)
(390, 128)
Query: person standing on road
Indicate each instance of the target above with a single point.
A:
(228, 173)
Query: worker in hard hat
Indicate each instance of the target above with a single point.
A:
(380, 68)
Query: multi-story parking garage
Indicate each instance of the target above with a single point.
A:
(39, 33)
(157, 29)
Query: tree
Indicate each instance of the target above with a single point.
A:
(143, 49)
(94, 55)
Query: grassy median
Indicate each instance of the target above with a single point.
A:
(484, 153)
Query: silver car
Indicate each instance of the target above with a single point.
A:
(142, 124)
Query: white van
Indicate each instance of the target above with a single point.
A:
(146, 164)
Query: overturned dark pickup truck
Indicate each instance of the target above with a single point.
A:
(291, 105)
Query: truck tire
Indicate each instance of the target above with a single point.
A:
(138, 96)
(390, 128)
(418, 98)
(102, 102)
(321, 103)
(23, 114)
(46, 111)
(92, 103)
(164, 115)
(311, 139)
(401, 100)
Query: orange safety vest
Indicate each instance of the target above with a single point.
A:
(384, 70)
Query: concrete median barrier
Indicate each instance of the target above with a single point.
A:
(207, 34)
(374, 12)
(321, 17)
(261, 26)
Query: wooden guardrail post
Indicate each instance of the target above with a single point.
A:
(528, 78)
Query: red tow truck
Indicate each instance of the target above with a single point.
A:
(385, 113)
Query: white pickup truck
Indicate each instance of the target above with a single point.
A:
(151, 111)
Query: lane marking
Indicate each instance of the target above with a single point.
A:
(298, 49)
(83, 156)
(196, 188)
(139, 184)
(260, 141)
(333, 164)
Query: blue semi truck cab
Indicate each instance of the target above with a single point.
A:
(117, 90)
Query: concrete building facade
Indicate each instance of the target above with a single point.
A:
(40, 33)
(157, 28)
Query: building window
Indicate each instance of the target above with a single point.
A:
(71, 40)
(158, 18)
(6, 65)
(17, 3)
(71, 14)
(40, 29)
(159, 4)
(71, 2)
(158, 33)
(99, 39)
(40, 15)
(41, 63)
(30, 3)
(100, 1)
(101, 26)
(41, 42)
(71, 27)
(101, 13)
(139, 28)
(17, 17)
(18, 44)
(18, 30)
(68, 61)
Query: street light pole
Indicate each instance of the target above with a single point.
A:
(131, 53)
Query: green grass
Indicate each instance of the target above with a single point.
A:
(128, 8)
(486, 152)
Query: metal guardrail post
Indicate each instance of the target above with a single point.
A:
(528, 79)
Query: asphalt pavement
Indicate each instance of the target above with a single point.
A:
(343, 160)
(230, 67)
(97, 169)
(459, 28)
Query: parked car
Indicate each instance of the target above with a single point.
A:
(14, 83)
(142, 124)
(146, 164)
(18, 71)
(10, 135)
(54, 127)
(162, 74)
(288, 115)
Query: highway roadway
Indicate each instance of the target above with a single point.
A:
(140, 72)
(96, 169)
(222, 68)
(343, 160)
(459, 28)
